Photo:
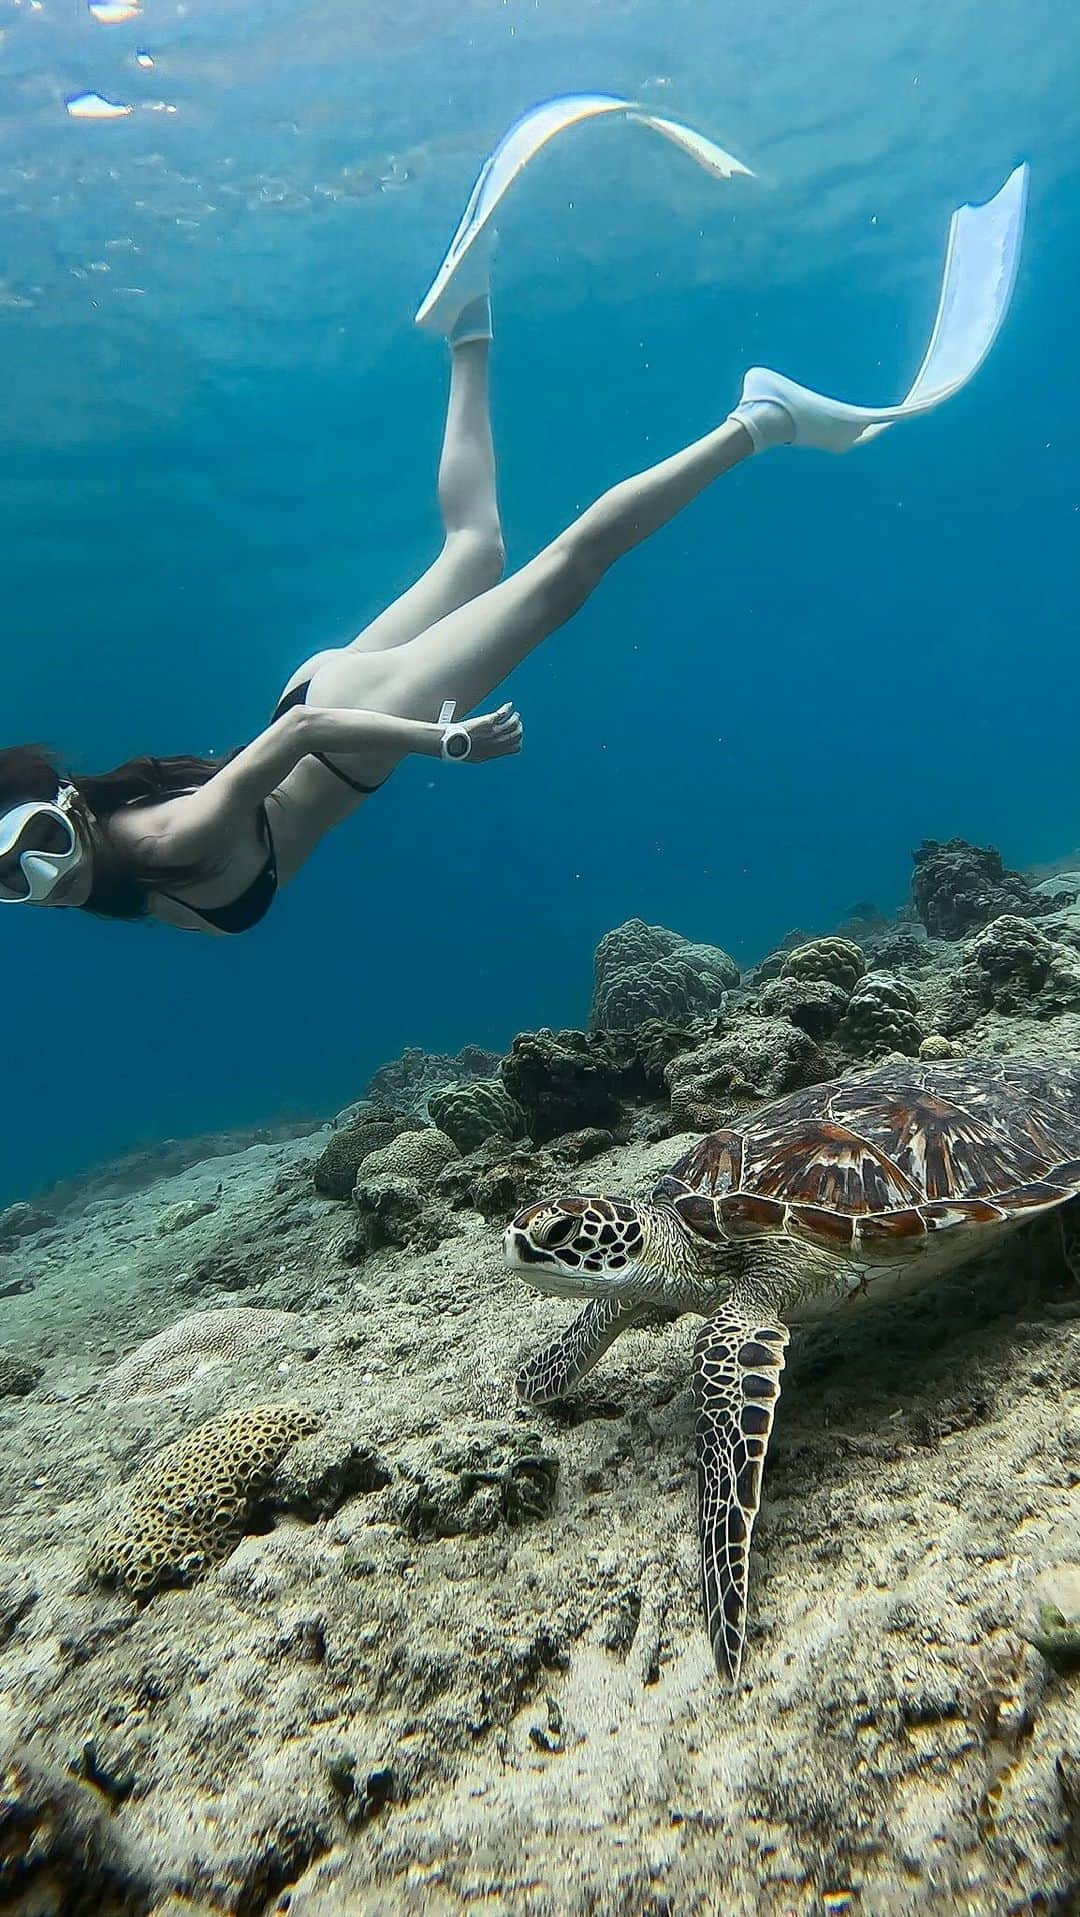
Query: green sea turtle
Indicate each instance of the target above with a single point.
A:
(824, 1201)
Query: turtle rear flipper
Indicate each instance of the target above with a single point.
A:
(737, 1364)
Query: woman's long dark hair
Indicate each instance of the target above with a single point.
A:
(121, 888)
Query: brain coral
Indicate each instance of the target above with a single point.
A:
(470, 1113)
(881, 1017)
(838, 961)
(188, 1506)
(645, 972)
(180, 1353)
(420, 1156)
(334, 1171)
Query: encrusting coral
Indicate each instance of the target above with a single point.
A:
(189, 1505)
(758, 1058)
(178, 1355)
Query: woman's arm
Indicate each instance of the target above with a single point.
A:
(192, 827)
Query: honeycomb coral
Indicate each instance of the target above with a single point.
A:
(837, 961)
(188, 1506)
(184, 1350)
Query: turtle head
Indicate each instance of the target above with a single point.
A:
(579, 1247)
(582, 1247)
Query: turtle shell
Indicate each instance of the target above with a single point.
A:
(873, 1168)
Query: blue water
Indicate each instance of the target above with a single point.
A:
(219, 440)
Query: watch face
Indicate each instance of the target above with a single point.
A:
(458, 748)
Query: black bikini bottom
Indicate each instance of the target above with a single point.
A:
(298, 697)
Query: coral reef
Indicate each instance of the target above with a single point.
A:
(881, 1017)
(757, 1058)
(836, 961)
(562, 1080)
(17, 1375)
(1011, 967)
(470, 1113)
(816, 1005)
(334, 1171)
(189, 1505)
(406, 1083)
(392, 1195)
(181, 1353)
(959, 887)
(645, 972)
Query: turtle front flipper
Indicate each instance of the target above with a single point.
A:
(738, 1359)
(560, 1365)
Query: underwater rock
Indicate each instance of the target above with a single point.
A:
(645, 972)
(772, 964)
(23, 1221)
(881, 1017)
(836, 961)
(757, 1058)
(18, 1376)
(136, 1171)
(959, 887)
(1062, 889)
(1011, 966)
(334, 1171)
(178, 1217)
(905, 948)
(494, 1477)
(175, 1357)
(393, 1210)
(815, 1005)
(190, 1504)
(406, 1083)
(60, 1850)
(468, 1114)
(318, 1478)
(496, 1179)
(563, 1080)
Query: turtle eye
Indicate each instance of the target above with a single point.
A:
(559, 1231)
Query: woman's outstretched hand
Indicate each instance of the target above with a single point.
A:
(494, 735)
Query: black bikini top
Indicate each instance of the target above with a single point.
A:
(253, 904)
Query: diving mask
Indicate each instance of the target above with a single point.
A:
(39, 846)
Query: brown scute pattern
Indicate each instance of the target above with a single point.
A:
(715, 1165)
(913, 1131)
(744, 1216)
(189, 1505)
(824, 1164)
(833, 1229)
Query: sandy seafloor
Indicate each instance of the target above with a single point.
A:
(356, 1712)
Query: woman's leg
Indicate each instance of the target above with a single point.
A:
(472, 557)
(467, 653)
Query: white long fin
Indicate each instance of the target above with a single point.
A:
(523, 142)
